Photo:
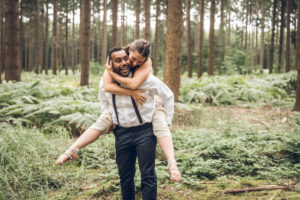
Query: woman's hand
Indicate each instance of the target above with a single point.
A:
(108, 66)
(138, 97)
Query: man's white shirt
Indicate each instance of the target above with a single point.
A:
(127, 115)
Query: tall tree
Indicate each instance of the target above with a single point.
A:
(221, 35)
(85, 16)
(12, 41)
(156, 40)
(1, 39)
(297, 104)
(273, 36)
(54, 39)
(212, 38)
(228, 15)
(201, 39)
(147, 20)
(123, 23)
(46, 38)
(66, 57)
(288, 36)
(188, 39)
(137, 18)
(104, 34)
(173, 51)
(37, 42)
(262, 36)
(73, 62)
(115, 22)
(283, 4)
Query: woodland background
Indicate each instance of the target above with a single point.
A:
(233, 66)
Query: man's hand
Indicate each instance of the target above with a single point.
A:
(138, 97)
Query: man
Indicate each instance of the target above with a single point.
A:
(133, 128)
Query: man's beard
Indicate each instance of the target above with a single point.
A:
(119, 71)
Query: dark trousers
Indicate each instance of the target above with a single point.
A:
(140, 142)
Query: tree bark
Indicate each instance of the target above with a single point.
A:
(123, 23)
(12, 41)
(147, 20)
(227, 44)
(173, 51)
(104, 34)
(246, 34)
(54, 39)
(156, 41)
(262, 38)
(84, 40)
(46, 39)
(297, 104)
(115, 22)
(1, 39)
(288, 37)
(60, 43)
(73, 41)
(37, 42)
(212, 38)
(221, 36)
(188, 39)
(67, 44)
(137, 18)
(201, 39)
(283, 3)
(273, 36)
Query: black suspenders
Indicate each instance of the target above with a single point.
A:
(134, 106)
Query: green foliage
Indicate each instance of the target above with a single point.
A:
(238, 88)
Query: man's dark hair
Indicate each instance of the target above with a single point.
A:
(114, 49)
(142, 46)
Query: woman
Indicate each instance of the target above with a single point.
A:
(138, 52)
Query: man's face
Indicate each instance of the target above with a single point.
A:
(136, 59)
(120, 62)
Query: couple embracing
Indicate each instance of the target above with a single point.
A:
(140, 107)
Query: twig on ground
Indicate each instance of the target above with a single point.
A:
(259, 189)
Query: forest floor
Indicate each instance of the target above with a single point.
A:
(264, 117)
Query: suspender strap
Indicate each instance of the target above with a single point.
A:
(134, 106)
(115, 107)
(136, 111)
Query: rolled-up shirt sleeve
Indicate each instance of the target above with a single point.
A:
(160, 89)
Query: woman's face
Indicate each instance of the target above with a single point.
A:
(136, 59)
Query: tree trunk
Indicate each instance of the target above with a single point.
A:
(156, 42)
(84, 40)
(46, 39)
(221, 36)
(256, 37)
(60, 44)
(123, 23)
(297, 104)
(54, 39)
(137, 18)
(30, 49)
(227, 44)
(67, 44)
(37, 42)
(92, 34)
(281, 34)
(173, 51)
(147, 21)
(104, 34)
(262, 38)
(1, 39)
(12, 41)
(212, 38)
(288, 33)
(115, 22)
(246, 34)
(73, 41)
(201, 39)
(188, 39)
(273, 36)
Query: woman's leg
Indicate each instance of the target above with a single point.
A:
(101, 126)
(164, 139)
